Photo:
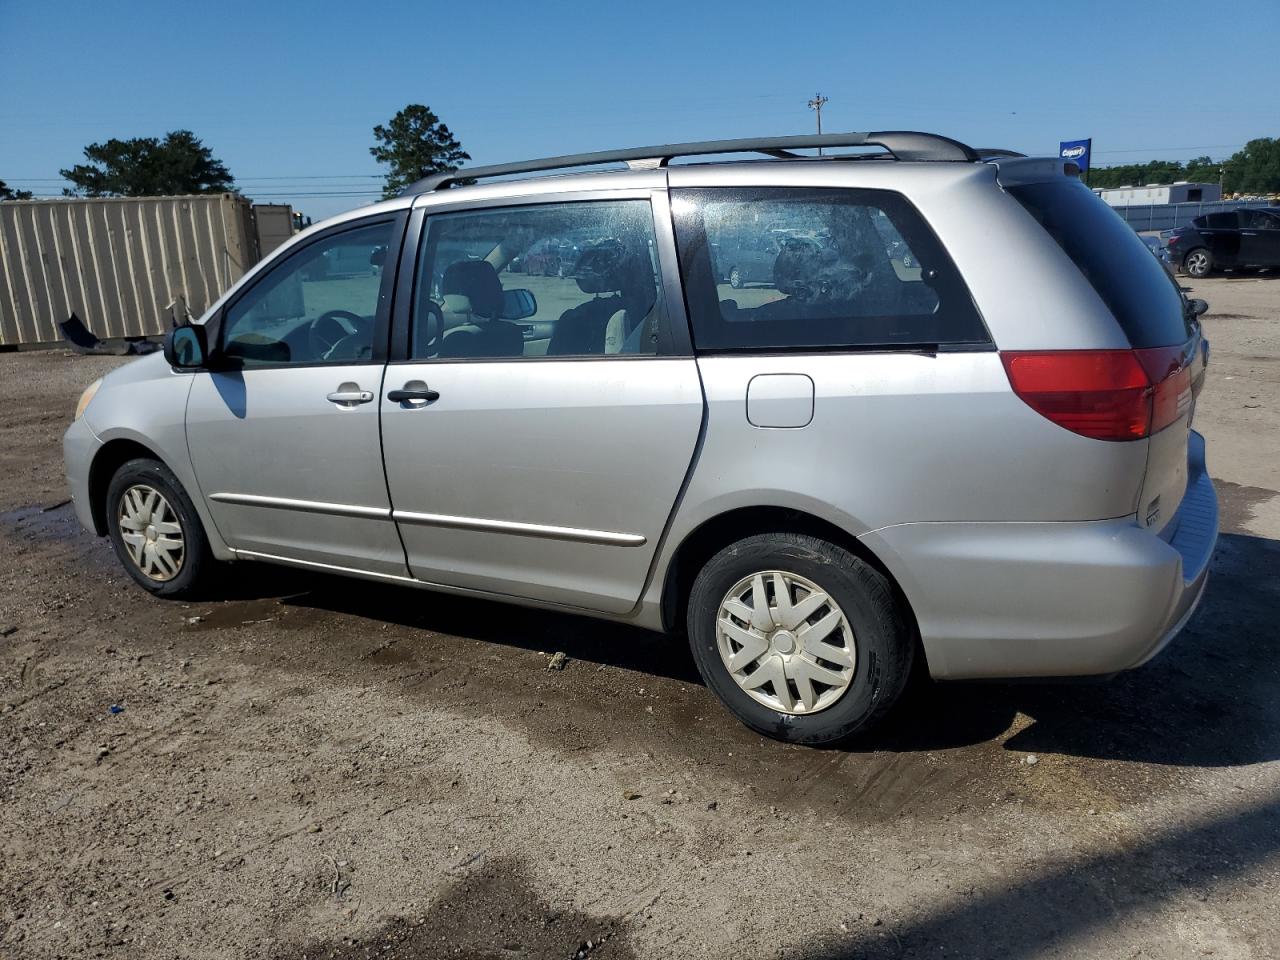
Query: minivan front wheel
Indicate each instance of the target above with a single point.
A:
(799, 638)
(155, 530)
(1198, 263)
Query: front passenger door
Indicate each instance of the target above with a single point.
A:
(283, 432)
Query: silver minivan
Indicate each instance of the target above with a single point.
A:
(953, 424)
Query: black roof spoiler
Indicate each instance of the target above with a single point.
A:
(901, 144)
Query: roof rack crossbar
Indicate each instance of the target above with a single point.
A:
(902, 144)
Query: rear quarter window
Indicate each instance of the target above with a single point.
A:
(817, 269)
(1135, 286)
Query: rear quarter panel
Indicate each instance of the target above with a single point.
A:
(900, 438)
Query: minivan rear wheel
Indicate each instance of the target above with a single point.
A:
(155, 530)
(802, 640)
(1198, 263)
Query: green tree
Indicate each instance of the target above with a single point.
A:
(413, 145)
(1255, 169)
(148, 167)
(7, 193)
(1138, 174)
(1202, 170)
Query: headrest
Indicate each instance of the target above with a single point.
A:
(606, 267)
(478, 281)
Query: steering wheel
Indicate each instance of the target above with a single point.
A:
(332, 329)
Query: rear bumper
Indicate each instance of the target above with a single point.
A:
(1194, 536)
(997, 600)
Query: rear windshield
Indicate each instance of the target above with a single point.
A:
(1133, 283)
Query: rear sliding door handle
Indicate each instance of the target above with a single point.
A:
(349, 395)
(415, 393)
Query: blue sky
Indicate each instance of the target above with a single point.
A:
(286, 91)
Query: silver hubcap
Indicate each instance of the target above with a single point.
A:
(151, 531)
(786, 642)
(1197, 262)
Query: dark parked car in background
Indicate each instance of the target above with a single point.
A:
(1225, 241)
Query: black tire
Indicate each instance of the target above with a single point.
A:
(884, 642)
(195, 568)
(735, 279)
(1198, 263)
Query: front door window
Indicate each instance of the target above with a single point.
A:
(319, 306)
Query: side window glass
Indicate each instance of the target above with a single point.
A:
(317, 306)
(783, 267)
(568, 279)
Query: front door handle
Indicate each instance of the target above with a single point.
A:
(415, 393)
(349, 395)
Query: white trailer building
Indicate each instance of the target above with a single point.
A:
(1153, 193)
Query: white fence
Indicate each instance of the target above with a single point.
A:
(1166, 216)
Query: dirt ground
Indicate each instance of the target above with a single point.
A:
(325, 768)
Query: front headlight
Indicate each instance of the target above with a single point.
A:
(87, 397)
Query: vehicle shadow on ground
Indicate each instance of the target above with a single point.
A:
(1270, 274)
(1129, 892)
(579, 637)
(1209, 700)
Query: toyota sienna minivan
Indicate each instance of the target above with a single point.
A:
(953, 422)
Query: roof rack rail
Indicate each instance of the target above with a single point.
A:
(902, 144)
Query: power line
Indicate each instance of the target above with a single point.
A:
(814, 104)
(299, 179)
(1212, 146)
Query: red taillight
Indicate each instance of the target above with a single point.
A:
(1169, 369)
(1103, 394)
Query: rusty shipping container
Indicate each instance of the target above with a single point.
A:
(117, 262)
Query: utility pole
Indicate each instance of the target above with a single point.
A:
(816, 105)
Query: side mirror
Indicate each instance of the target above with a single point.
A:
(187, 347)
(518, 304)
(1197, 307)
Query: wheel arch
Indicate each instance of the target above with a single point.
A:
(111, 457)
(717, 532)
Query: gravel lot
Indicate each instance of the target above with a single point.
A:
(316, 767)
